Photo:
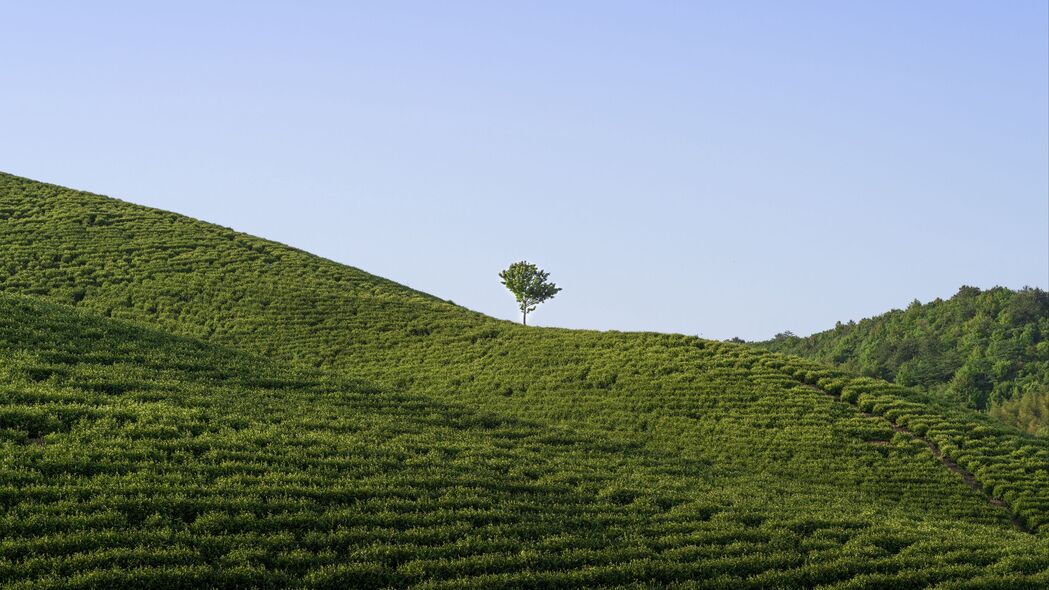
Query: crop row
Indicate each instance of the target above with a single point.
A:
(320, 482)
(437, 447)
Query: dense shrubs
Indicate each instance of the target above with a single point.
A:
(1029, 412)
(222, 470)
(981, 349)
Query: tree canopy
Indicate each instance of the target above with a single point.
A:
(982, 349)
(529, 285)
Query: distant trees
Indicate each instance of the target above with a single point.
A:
(529, 285)
(981, 348)
(1028, 412)
(972, 383)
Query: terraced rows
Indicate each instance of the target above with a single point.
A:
(132, 457)
(356, 432)
(1010, 468)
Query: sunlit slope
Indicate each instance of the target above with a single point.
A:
(131, 458)
(758, 431)
(198, 279)
(129, 261)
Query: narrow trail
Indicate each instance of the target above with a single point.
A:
(947, 461)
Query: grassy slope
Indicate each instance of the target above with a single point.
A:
(135, 457)
(675, 432)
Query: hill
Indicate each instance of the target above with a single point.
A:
(984, 349)
(186, 402)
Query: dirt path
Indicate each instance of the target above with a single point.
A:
(948, 462)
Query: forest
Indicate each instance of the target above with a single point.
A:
(987, 350)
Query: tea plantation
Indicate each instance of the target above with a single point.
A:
(186, 406)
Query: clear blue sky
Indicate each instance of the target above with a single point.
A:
(716, 168)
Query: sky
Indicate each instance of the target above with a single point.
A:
(716, 168)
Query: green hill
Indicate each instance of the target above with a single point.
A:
(984, 349)
(184, 404)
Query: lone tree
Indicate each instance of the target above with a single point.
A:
(529, 286)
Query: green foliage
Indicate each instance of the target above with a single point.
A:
(1029, 412)
(217, 468)
(223, 411)
(529, 285)
(979, 348)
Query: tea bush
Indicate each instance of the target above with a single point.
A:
(184, 404)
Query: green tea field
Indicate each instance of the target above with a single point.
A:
(186, 406)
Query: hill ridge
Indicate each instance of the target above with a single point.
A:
(985, 349)
(722, 435)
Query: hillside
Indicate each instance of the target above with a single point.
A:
(193, 403)
(984, 349)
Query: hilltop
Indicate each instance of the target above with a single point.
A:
(188, 404)
(982, 349)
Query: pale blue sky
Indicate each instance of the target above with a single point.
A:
(716, 168)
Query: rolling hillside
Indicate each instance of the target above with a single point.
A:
(184, 404)
(983, 349)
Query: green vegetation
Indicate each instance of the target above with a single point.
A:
(529, 286)
(187, 405)
(984, 349)
(1029, 412)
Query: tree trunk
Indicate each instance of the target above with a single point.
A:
(524, 317)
